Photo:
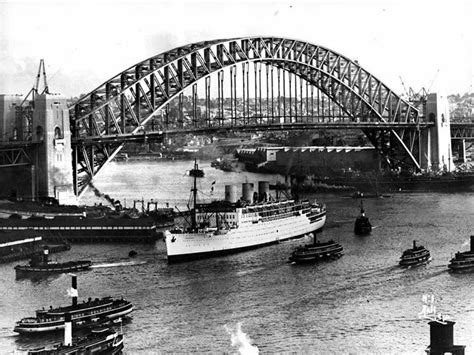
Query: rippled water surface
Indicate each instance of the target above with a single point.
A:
(361, 303)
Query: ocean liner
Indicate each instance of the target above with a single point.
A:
(232, 225)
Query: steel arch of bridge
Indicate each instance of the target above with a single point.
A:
(121, 106)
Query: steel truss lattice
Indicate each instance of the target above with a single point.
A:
(122, 106)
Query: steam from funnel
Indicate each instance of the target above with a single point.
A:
(241, 340)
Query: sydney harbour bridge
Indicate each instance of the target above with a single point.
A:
(248, 84)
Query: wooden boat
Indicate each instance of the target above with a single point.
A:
(317, 251)
(41, 264)
(84, 314)
(100, 341)
(415, 256)
(463, 261)
(362, 224)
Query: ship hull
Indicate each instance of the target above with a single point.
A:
(312, 254)
(418, 262)
(49, 269)
(33, 327)
(190, 246)
(459, 183)
(461, 268)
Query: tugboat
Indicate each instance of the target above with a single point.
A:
(362, 224)
(418, 255)
(102, 341)
(463, 261)
(41, 264)
(317, 251)
(85, 314)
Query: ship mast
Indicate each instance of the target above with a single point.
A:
(194, 190)
(195, 173)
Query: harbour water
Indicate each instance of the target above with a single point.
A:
(360, 303)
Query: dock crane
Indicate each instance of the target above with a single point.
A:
(24, 111)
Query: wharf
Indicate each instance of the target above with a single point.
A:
(16, 245)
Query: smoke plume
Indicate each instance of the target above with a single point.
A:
(241, 340)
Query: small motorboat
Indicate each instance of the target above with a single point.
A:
(418, 255)
(317, 251)
(362, 224)
(463, 261)
(42, 264)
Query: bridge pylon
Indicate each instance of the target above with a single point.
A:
(435, 142)
(52, 157)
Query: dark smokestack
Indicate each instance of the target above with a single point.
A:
(74, 290)
(441, 339)
(472, 243)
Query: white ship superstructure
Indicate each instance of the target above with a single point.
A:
(233, 225)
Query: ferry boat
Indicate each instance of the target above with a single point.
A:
(230, 226)
(463, 261)
(83, 314)
(42, 264)
(415, 256)
(362, 225)
(101, 341)
(317, 251)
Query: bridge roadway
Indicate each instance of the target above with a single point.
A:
(462, 130)
(459, 130)
(298, 126)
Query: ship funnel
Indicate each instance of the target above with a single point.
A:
(441, 338)
(263, 191)
(247, 192)
(45, 254)
(414, 244)
(67, 329)
(472, 243)
(231, 193)
(73, 291)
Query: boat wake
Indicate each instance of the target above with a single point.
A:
(292, 240)
(122, 263)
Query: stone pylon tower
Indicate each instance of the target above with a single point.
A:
(436, 153)
(53, 159)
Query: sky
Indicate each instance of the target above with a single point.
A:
(425, 44)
